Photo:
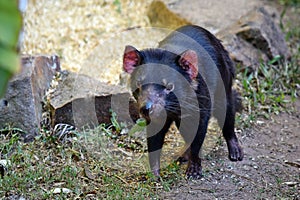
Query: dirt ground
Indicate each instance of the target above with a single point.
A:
(270, 169)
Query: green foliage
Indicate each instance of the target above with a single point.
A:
(138, 127)
(290, 2)
(118, 4)
(115, 123)
(37, 168)
(10, 25)
(5, 148)
(270, 87)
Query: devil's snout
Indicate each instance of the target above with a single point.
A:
(146, 108)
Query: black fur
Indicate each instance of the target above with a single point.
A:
(212, 87)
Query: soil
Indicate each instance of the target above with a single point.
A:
(270, 169)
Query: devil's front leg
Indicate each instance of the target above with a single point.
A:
(194, 169)
(155, 141)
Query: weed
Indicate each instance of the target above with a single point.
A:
(269, 88)
(290, 2)
(118, 4)
(273, 85)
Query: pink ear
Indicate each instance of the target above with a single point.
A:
(189, 62)
(131, 59)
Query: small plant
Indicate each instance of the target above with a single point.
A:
(114, 120)
(290, 2)
(269, 88)
(118, 4)
(10, 137)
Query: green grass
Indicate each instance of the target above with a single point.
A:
(37, 168)
(269, 88)
(290, 2)
(118, 5)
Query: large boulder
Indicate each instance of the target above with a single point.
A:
(21, 106)
(214, 15)
(82, 101)
(254, 37)
(247, 30)
(160, 15)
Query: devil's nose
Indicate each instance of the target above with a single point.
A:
(146, 108)
(149, 105)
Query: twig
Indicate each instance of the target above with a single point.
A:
(121, 179)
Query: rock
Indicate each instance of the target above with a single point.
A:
(161, 16)
(61, 190)
(249, 34)
(21, 106)
(213, 15)
(4, 164)
(105, 59)
(242, 52)
(254, 37)
(82, 101)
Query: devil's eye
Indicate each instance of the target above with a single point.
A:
(170, 87)
(139, 81)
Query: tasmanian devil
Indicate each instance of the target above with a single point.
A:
(185, 80)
